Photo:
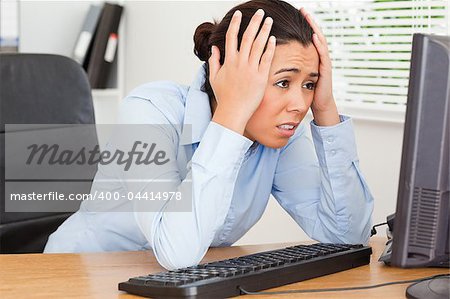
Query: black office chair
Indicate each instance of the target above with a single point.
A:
(38, 89)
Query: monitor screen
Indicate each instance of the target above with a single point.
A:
(421, 233)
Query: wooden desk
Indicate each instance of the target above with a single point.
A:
(96, 275)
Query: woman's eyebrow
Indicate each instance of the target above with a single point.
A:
(295, 70)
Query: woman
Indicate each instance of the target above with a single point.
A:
(265, 69)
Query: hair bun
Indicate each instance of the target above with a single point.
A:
(201, 40)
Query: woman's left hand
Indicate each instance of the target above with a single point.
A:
(323, 106)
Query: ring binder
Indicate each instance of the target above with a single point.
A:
(105, 45)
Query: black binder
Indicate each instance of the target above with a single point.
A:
(104, 47)
(83, 46)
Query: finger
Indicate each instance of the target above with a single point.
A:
(260, 42)
(324, 55)
(317, 30)
(310, 20)
(321, 49)
(231, 37)
(214, 63)
(266, 59)
(314, 25)
(250, 33)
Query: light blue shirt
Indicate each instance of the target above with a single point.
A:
(231, 179)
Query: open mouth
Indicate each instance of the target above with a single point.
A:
(286, 127)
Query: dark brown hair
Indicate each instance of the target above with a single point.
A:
(288, 25)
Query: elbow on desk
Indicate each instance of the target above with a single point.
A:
(356, 237)
(175, 257)
(354, 228)
(350, 233)
(176, 260)
(358, 234)
(350, 237)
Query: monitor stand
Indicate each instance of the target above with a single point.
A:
(436, 288)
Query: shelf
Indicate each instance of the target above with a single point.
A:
(106, 94)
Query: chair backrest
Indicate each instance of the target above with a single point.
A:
(38, 89)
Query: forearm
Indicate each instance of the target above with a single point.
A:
(326, 116)
(232, 118)
(181, 239)
(345, 207)
(346, 204)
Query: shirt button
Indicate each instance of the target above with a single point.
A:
(333, 152)
(330, 139)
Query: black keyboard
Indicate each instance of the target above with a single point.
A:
(254, 272)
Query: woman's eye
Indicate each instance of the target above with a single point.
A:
(310, 85)
(283, 81)
(285, 84)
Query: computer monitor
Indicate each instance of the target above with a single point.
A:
(421, 234)
(422, 224)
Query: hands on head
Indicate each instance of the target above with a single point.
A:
(323, 106)
(240, 83)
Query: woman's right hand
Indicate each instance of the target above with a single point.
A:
(239, 84)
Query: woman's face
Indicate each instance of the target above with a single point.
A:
(288, 95)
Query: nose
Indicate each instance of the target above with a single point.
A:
(297, 103)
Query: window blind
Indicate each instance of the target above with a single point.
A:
(370, 44)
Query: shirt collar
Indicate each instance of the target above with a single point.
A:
(197, 113)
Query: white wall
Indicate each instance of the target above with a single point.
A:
(159, 39)
(159, 46)
(50, 26)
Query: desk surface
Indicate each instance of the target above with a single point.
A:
(96, 275)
